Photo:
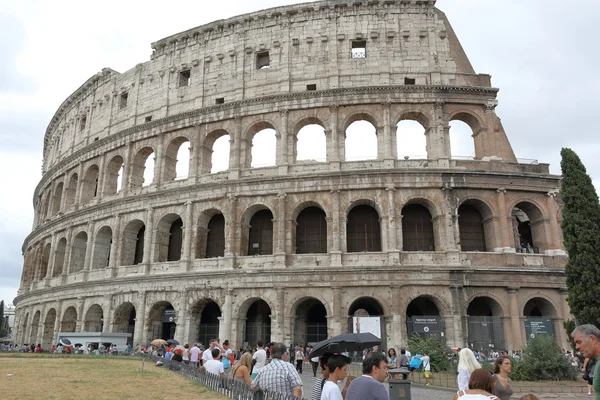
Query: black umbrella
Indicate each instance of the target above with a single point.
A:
(345, 342)
(172, 341)
(65, 342)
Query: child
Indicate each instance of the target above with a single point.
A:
(337, 365)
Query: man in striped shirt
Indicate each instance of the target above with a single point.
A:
(278, 376)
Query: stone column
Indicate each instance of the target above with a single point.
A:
(127, 165)
(139, 335)
(386, 152)
(231, 226)
(79, 188)
(235, 146)
(515, 341)
(396, 338)
(336, 251)
(393, 252)
(227, 316)
(58, 322)
(114, 246)
(79, 324)
(194, 155)
(280, 333)
(63, 200)
(504, 225)
(338, 317)
(101, 177)
(334, 157)
(158, 165)
(182, 329)
(280, 237)
(188, 233)
(459, 314)
(149, 237)
(282, 159)
(50, 270)
(89, 249)
(554, 244)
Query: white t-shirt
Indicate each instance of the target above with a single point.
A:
(207, 355)
(194, 354)
(408, 354)
(214, 367)
(331, 391)
(260, 356)
(426, 364)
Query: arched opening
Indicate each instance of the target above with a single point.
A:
(417, 228)
(258, 323)
(114, 176)
(94, 319)
(220, 154)
(71, 191)
(471, 228)
(311, 144)
(35, 325)
(462, 144)
(169, 238)
(49, 323)
(423, 319)
(132, 251)
(89, 186)
(529, 228)
(539, 316)
(363, 230)
(57, 199)
(210, 237)
(361, 141)
(124, 321)
(485, 324)
(206, 314)
(162, 321)
(142, 168)
(177, 160)
(366, 315)
(59, 257)
(264, 148)
(78, 252)
(103, 242)
(411, 142)
(311, 231)
(44, 262)
(260, 233)
(69, 320)
(310, 322)
(46, 204)
(24, 327)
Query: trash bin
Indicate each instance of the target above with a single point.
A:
(399, 388)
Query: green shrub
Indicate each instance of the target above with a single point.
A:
(435, 348)
(544, 361)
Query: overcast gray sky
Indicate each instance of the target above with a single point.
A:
(542, 54)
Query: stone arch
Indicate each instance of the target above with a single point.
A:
(424, 317)
(250, 134)
(102, 244)
(46, 203)
(24, 326)
(169, 240)
(485, 323)
(359, 129)
(69, 320)
(132, 250)
(59, 257)
(57, 198)
(411, 139)
(113, 180)
(45, 260)
(124, 319)
(441, 304)
(172, 169)
(49, 325)
(209, 151)
(210, 236)
(495, 304)
(529, 226)
(79, 248)
(137, 177)
(257, 314)
(373, 305)
(368, 306)
(162, 321)
(360, 116)
(363, 227)
(89, 186)
(468, 117)
(414, 115)
(539, 305)
(35, 326)
(309, 320)
(71, 191)
(94, 319)
(205, 315)
(475, 124)
(419, 232)
(476, 225)
(310, 235)
(257, 230)
(310, 141)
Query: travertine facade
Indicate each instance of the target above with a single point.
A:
(289, 252)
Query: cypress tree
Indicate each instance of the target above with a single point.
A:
(3, 329)
(581, 231)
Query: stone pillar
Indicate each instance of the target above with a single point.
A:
(504, 225)
(188, 233)
(280, 234)
(386, 152)
(336, 251)
(228, 317)
(194, 155)
(555, 247)
(515, 341)
(235, 149)
(89, 249)
(114, 246)
(50, 270)
(63, 200)
(338, 313)
(280, 333)
(396, 339)
(182, 328)
(149, 237)
(334, 156)
(158, 164)
(101, 177)
(458, 316)
(394, 256)
(127, 165)
(79, 324)
(139, 335)
(282, 158)
(231, 231)
(79, 188)
(58, 322)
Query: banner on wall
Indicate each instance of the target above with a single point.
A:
(367, 324)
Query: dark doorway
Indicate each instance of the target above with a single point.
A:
(417, 228)
(472, 232)
(311, 231)
(363, 230)
(215, 239)
(260, 237)
(175, 240)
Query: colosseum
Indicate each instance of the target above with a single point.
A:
(276, 246)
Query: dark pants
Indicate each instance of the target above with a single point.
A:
(315, 366)
(299, 365)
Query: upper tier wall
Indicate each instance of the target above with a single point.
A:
(307, 44)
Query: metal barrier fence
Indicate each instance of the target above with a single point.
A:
(227, 387)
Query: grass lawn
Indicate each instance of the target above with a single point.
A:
(100, 377)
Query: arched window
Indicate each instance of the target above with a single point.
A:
(169, 238)
(462, 145)
(101, 256)
(417, 228)
(311, 144)
(132, 248)
(71, 191)
(78, 252)
(177, 159)
(361, 141)
(59, 257)
(264, 148)
(363, 231)
(215, 238)
(529, 228)
(114, 176)
(472, 231)
(411, 142)
(57, 199)
(175, 240)
(260, 236)
(311, 231)
(220, 155)
(142, 169)
(89, 188)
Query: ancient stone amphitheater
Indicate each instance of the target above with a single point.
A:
(469, 249)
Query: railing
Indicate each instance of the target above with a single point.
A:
(227, 386)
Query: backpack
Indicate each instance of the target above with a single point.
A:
(415, 361)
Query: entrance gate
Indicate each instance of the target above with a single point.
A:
(486, 333)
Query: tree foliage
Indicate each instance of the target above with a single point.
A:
(581, 231)
(544, 360)
(3, 328)
(434, 347)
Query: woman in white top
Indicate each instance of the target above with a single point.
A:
(467, 363)
(482, 386)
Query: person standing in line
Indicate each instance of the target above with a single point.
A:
(338, 365)
(194, 355)
(260, 355)
(502, 368)
(369, 386)
(466, 365)
(314, 361)
(214, 366)
(320, 382)
(587, 341)
(279, 375)
(186, 354)
(426, 362)
(299, 360)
